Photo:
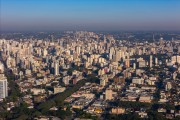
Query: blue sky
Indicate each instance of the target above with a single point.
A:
(54, 15)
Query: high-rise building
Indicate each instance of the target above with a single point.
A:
(56, 68)
(45, 52)
(108, 94)
(161, 41)
(150, 61)
(127, 62)
(3, 86)
(175, 59)
(144, 50)
(156, 61)
(178, 59)
(111, 53)
(104, 39)
(118, 55)
(134, 66)
(1, 67)
(78, 50)
(174, 75)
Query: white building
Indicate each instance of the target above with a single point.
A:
(56, 68)
(136, 80)
(3, 86)
(1, 67)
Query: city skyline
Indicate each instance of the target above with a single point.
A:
(102, 15)
(90, 75)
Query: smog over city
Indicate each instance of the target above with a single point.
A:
(89, 59)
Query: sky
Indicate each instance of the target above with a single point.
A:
(100, 15)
